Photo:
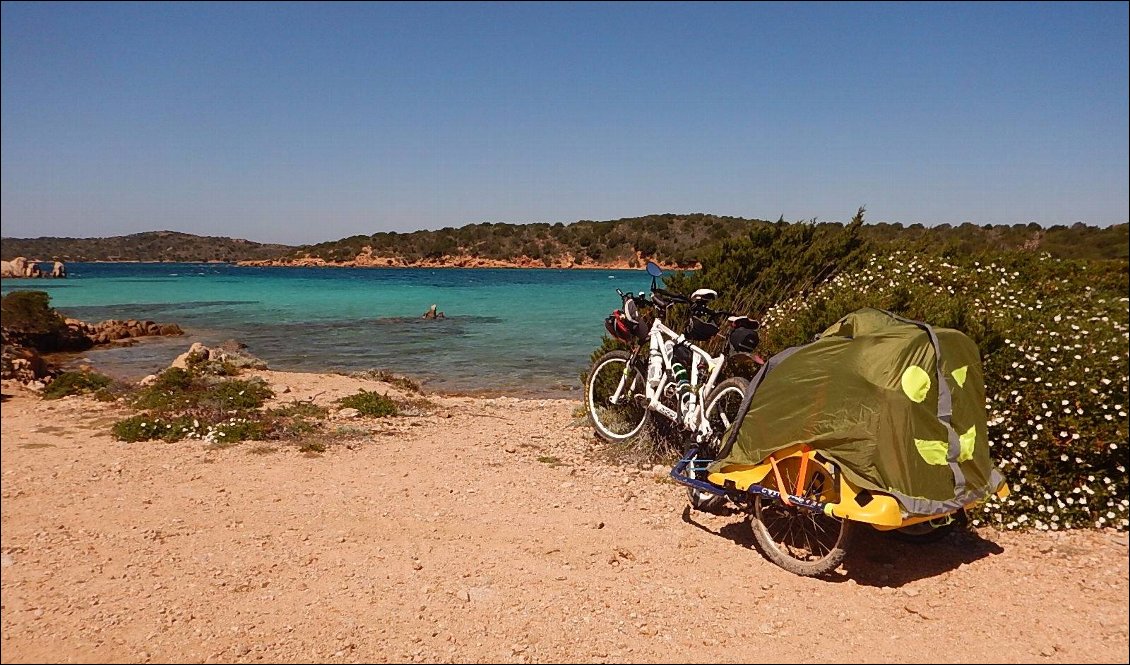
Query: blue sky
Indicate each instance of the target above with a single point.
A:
(307, 122)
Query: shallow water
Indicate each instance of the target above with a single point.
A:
(506, 330)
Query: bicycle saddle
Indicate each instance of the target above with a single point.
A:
(704, 295)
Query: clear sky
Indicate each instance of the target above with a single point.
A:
(308, 122)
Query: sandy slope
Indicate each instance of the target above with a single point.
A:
(490, 531)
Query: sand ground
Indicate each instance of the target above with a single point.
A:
(490, 530)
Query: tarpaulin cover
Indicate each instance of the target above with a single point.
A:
(872, 395)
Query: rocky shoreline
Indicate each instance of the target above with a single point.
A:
(22, 268)
(26, 358)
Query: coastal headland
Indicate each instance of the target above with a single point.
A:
(367, 259)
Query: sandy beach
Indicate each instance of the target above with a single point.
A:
(489, 530)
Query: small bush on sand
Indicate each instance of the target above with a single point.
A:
(147, 427)
(75, 383)
(402, 382)
(371, 404)
(182, 404)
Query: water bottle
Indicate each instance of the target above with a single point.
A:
(681, 383)
(654, 366)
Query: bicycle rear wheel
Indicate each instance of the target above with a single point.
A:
(615, 397)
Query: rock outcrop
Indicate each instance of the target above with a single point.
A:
(105, 332)
(22, 363)
(229, 353)
(17, 267)
(20, 267)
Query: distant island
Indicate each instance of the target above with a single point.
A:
(675, 241)
(152, 246)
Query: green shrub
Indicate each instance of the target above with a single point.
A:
(168, 391)
(199, 364)
(298, 409)
(238, 394)
(105, 395)
(238, 429)
(1053, 335)
(1053, 338)
(182, 404)
(179, 390)
(371, 404)
(173, 378)
(75, 383)
(312, 446)
(773, 262)
(30, 312)
(148, 427)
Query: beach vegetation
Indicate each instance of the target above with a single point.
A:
(183, 404)
(370, 403)
(297, 409)
(415, 406)
(399, 381)
(312, 445)
(191, 404)
(1053, 335)
(30, 313)
(200, 364)
(77, 383)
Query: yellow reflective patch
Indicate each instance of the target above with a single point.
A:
(915, 383)
(967, 440)
(959, 375)
(934, 452)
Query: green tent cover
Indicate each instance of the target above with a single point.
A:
(871, 394)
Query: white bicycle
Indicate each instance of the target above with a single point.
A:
(665, 373)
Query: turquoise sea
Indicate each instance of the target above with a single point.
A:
(512, 331)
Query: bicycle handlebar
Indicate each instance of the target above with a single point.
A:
(667, 298)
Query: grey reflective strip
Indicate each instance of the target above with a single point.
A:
(945, 406)
(916, 505)
(732, 433)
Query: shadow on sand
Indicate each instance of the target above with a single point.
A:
(878, 559)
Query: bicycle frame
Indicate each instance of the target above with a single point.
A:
(693, 419)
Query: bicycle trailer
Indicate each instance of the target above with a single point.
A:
(880, 420)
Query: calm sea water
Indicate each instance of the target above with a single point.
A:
(510, 331)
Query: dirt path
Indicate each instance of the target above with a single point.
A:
(429, 541)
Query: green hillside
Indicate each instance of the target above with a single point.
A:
(150, 246)
(671, 239)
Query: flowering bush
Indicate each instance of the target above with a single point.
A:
(1054, 338)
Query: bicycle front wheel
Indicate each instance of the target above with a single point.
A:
(721, 411)
(616, 397)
